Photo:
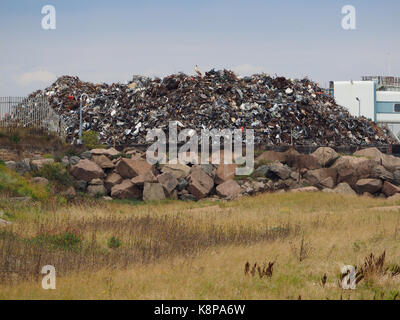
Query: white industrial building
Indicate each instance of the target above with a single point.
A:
(376, 98)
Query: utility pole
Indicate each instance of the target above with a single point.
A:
(359, 107)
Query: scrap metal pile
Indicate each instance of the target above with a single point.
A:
(281, 111)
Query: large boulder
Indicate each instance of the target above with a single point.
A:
(328, 182)
(210, 169)
(96, 190)
(103, 162)
(396, 177)
(111, 152)
(40, 181)
(126, 190)
(253, 187)
(389, 189)
(65, 161)
(344, 188)
(96, 182)
(200, 183)
(300, 161)
(292, 184)
(134, 152)
(177, 170)
(81, 185)
(140, 180)
(325, 156)
(324, 177)
(351, 169)
(278, 171)
(289, 154)
(74, 160)
(153, 191)
(11, 165)
(69, 193)
(271, 156)
(390, 162)
(229, 189)
(168, 181)
(225, 172)
(368, 185)
(370, 153)
(87, 170)
(39, 163)
(395, 197)
(24, 166)
(380, 172)
(131, 168)
(86, 155)
(261, 171)
(112, 180)
(182, 184)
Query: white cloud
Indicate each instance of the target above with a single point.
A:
(40, 76)
(247, 69)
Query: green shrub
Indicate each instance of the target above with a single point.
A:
(17, 185)
(15, 138)
(90, 139)
(114, 243)
(55, 172)
(67, 240)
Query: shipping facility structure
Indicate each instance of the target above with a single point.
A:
(374, 97)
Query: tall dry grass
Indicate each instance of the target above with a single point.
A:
(175, 250)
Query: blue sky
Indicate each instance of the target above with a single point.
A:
(109, 41)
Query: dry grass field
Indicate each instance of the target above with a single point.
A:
(185, 250)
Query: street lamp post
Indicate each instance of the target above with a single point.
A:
(80, 117)
(359, 106)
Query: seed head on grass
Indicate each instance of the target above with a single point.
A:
(323, 280)
(246, 268)
(253, 270)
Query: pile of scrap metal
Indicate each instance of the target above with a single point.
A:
(281, 111)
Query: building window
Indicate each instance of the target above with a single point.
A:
(397, 107)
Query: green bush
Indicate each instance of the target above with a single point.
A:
(90, 139)
(15, 138)
(67, 240)
(17, 185)
(55, 172)
(114, 243)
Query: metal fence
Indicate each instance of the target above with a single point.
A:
(19, 112)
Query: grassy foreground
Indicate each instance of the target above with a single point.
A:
(177, 250)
